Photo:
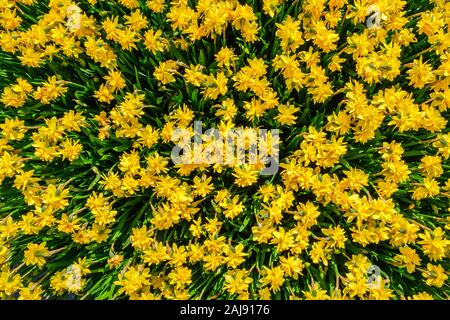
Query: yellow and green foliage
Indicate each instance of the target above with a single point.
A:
(92, 205)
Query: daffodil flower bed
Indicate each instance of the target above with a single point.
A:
(92, 205)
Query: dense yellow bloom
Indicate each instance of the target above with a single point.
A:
(35, 254)
(273, 277)
(347, 102)
(237, 281)
(215, 86)
(420, 74)
(434, 275)
(434, 244)
(408, 258)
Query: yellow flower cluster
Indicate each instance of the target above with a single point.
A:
(92, 94)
